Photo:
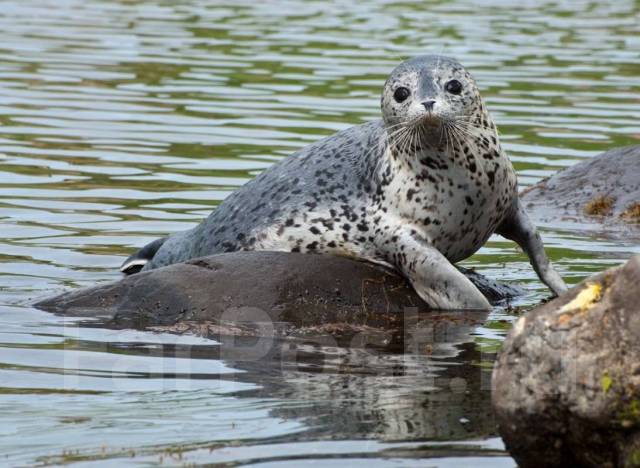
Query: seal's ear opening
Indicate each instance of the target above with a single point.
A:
(138, 260)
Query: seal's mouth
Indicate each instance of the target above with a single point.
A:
(431, 120)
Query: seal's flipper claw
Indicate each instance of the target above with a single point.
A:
(138, 260)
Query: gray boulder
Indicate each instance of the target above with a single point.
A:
(237, 293)
(566, 386)
(601, 194)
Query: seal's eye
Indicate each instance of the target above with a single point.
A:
(401, 94)
(453, 87)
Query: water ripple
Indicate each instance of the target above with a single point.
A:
(124, 121)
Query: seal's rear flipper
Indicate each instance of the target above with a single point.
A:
(138, 260)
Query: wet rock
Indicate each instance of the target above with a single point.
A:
(602, 193)
(242, 293)
(341, 334)
(566, 386)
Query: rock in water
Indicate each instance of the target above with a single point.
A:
(566, 386)
(601, 193)
(254, 287)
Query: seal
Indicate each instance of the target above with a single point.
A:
(418, 190)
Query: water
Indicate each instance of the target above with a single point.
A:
(121, 121)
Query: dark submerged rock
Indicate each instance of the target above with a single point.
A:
(566, 386)
(276, 314)
(238, 293)
(308, 327)
(600, 194)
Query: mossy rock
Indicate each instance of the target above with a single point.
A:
(601, 194)
(566, 386)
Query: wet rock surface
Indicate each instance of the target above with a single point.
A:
(358, 332)
(242, 293)
(566, 387)
(601, 194)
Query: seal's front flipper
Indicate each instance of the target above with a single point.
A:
(434, 278)
(518, 227)
(138, 260)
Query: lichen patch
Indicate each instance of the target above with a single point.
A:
(591, 294)
(601, 205)
(632, 213)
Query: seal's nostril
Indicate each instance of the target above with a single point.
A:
(429, 105)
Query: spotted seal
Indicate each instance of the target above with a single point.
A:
(419, 190)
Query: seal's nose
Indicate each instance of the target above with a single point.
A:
(429, 105)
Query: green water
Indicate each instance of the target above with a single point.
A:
(122, 121)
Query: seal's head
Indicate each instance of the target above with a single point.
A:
(429, 92)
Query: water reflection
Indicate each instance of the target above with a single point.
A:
(408, 387)
(422, 380)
